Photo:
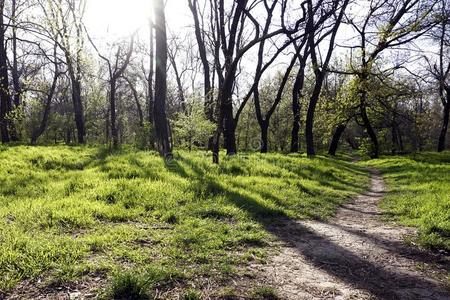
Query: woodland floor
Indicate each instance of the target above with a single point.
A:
(355, 255)
(236, 235)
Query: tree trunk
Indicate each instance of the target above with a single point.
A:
(295, 141)
(112, 107)
(136, 99)
(264, 136)
(5, 97)
(78, 110)
(216, 146)
(39, 131)
(394, 139)
(151, 99)
(181, 97)
(444, 127)
(336, 138)
(310, 114)
(351, 142)
(229, 132)
(107, 128)
(15, 136)
(296, 108)
(370, 131)
(162, 134)
(209, 102)
(15, 71)
(226, 122)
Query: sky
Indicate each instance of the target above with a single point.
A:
(109, 20)
(119, 18)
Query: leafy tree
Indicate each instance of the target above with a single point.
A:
(193, 128)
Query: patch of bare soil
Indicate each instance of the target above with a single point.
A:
(353, 256)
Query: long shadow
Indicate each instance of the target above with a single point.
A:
(301, 173)
(325, 254)
(371, 213)
(399, 248)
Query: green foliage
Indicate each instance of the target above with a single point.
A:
(71, 212)
(144, 137)
(193, 128)
(419, 195)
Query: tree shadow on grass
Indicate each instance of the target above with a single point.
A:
(321, 252)
(326, 178)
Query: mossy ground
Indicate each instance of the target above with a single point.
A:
(70, 213)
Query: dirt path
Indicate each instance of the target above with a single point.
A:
(353, 256)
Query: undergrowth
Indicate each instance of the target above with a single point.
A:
(71, 213)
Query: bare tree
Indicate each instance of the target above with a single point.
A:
(320, 69)
(174, 49)
(201, 43)
(116, 68)
(162, 130)
(135, 93)
(441, 70)
(150, 76)
(296, 96)
(65, 18)
(49, 97)
(234, 47)
(5, 96)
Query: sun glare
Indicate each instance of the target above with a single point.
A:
(117, 17)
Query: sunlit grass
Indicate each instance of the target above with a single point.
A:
(70, 213)
(419, 194)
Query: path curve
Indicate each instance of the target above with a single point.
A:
(353, 256)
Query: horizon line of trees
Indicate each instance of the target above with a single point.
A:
(368, 75)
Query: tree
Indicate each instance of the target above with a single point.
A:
(192, 128)
(296, 96)
(162, 130)
(441, 70)
(201, 44)
(264, 121)
(37, 132)
(320, 71)
(115, 71)
(15, 135)
(150, 91)
(395, 23)
(65, 19)
(135, 93)
(5, 96)
(234, 47)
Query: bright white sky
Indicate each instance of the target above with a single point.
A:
(120, 18)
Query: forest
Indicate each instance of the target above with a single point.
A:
(224, 149)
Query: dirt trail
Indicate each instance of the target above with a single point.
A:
(353, 256)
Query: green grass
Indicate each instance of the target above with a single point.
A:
(419, 195)
(71, 213)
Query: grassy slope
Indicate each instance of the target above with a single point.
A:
(69, 213)
(419, 187)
